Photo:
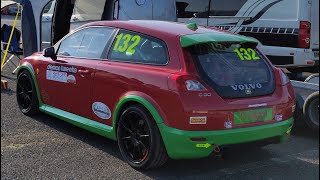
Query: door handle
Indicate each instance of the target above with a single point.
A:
(84, 72)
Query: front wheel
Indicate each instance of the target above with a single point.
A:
(26, 94)
(139, 139)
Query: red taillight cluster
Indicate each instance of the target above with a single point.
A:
(304, 34)
(183, 82)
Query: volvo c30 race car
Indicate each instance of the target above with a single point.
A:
(161, 89)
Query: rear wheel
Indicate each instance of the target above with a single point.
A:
(26, 94)
(139, 139)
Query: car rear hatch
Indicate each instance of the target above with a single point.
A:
(233, 67)
(243, 80)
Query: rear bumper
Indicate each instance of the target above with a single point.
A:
(180, 146)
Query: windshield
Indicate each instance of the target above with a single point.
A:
(233, 69)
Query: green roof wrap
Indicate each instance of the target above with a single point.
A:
(193, 39)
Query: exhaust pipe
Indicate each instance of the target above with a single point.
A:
(217, 152)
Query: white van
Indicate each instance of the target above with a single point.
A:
(288, 29)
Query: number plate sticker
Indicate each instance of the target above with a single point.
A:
(258, 115)
(56, 76)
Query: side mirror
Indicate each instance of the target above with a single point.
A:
(50, 52)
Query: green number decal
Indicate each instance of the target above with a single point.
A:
(239, 54)
(119, 37)
(127, 38)
(253, 54)
(136, 39)
(247, 54)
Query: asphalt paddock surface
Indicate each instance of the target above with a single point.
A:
(43, 147)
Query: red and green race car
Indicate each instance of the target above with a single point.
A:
(161, 89)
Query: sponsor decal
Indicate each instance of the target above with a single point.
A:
(68, 69)
(278, 117)
(258, 115)
(246, 86)
(206, 145)
(71, 79)
(59, 73)
(228, 124)
(56, 76)
(101, 110)
(37, 70)
(198, 120)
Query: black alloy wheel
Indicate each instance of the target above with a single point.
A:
(139, 139)
(26, 95)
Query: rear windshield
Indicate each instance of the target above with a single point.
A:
(232, 69)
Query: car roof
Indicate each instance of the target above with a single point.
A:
(154, 27)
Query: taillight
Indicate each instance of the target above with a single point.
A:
(194, 85)
(182, 82)
(304, 34)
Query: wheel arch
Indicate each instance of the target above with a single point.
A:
(27, 66)
(138, 98)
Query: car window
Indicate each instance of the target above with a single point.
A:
(87, 43)
(233, 69)
(137, 48)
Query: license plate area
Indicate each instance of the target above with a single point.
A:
(251, 116)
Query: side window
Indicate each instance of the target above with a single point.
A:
(137, 48)
(226, 7)
(192, 8)
(87, 43)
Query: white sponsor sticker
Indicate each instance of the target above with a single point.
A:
(278, 117)
(71, 79)
(228, 124)
(101, 110)
(198, 120)
(56, 76)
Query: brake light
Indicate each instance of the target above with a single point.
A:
(194, 85)
(182, 82)
(304, 34)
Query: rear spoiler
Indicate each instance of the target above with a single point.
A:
(194, 39)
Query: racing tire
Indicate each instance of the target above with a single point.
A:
(311, 111)
(139, 139)
(26, 94)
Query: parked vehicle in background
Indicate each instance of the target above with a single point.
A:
(307, 109)
(9, 8)
(288, 29)
(161, 89)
